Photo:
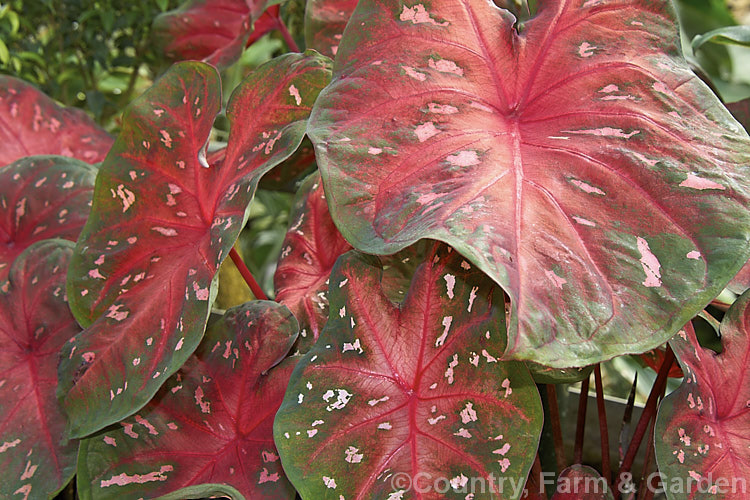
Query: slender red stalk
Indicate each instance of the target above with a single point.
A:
(247, 275)
(581, 421)
(557, 438)
(648, 412)
(536, 472)
(603, 434)
(288, 37)
(645, 490)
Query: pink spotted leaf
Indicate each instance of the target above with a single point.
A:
(308, 253)
(211, 422)
(215, 31)
(701, 428)
(579, 163)
(325, 21)
(416, 389)
(163, 220)
(42, 197)
(33, 124)
(35, 322)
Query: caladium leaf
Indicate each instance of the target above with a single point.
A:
(325, 21)
(161, 224)
(42, 197)
(211, 422)
(581, 482)
(286, 177)
(215, 31)
(411, 390)
(578, 161)
(33, 124)
(34, 324)
(701, 428)
(308, 253)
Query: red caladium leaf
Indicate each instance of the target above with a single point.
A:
(309, 251)
(393, 392)
(654, 359)
(741, 111)
(42, 197)
(325, 21)
(162, 223)
(212, 422)
(581, 482)
(578, 161)
(33, 124)
(702, 443)
(215, 31)
(34, 324)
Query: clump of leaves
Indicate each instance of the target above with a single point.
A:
(505, 194)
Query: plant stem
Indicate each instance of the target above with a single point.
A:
(581, 421)
(645, 491)
(603, 434)
(536, 472)
(288, 37)
(247, 275)
(557, 439)
(648, 412)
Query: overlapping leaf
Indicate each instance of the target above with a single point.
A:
(161, 224)
(42, 197)
(325, 21)
(578, 161)
(581, 482)
(309, 251)
(212, 422)
(35, 322)
(411, 390)
(215, 31)
(702, 443)
(32, 124)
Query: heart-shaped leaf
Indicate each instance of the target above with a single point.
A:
(575, 158)
(325, 21)
(581, 482)
(215, 31)
(35, 322)
(33, 124)
(161, 224)
(411, 391)
(42, 197)
(702, 443)
(212, 422)
(309, 251)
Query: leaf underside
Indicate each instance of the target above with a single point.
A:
(413, 388)
(42, 197)
(33, 124)
(578, 162)
(35, 322)
(142, 277)
(701, 428)
(211, 422)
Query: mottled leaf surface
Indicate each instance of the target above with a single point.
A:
(211, 422)
(33, 124)
(581, 482)
(215, 31)
(42, 197)
(578, 162)
(410, 388)
(702, 441)
(161, 224)
(308, 253)
(34, 324)
(325, 21)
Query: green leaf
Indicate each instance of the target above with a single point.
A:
(730, 35)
